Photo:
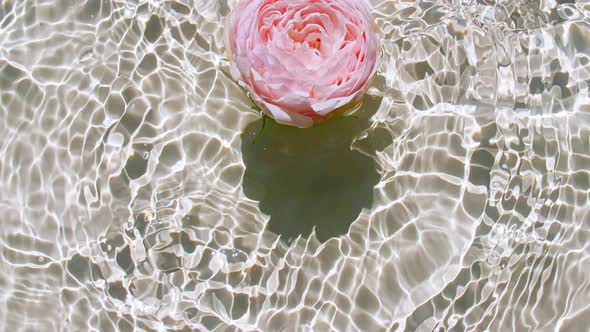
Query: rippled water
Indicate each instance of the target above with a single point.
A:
(140, 190)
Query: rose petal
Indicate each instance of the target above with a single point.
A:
(327, 106)
(302, 59)
(288, 118)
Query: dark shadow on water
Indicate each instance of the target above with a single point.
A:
(305, 178)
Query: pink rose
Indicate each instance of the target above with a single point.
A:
(303, 60)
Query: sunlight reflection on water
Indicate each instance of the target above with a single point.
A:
(139, 192)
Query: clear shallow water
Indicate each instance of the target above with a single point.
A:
(139, 191)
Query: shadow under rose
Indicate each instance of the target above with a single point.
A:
(306, 178)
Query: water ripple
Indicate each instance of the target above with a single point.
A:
(140, 191)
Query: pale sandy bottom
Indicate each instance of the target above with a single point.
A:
(139, 191)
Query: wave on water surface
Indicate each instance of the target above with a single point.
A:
(140, 190)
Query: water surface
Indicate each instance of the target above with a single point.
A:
(140, 191)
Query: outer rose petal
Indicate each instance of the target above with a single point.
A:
(329, 105)
(302, 60)
(285, 117)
